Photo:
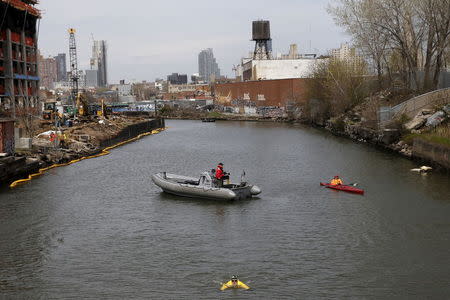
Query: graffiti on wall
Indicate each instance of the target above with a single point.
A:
(7, 137)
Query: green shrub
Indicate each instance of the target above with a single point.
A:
(215, 114)
(165, 110)
(338, 124)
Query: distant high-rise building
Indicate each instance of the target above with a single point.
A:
(91, 78)
(293, 51)
(47, 71)
(348, 55)
(61, 67)
(195, 78)
(176, 78)
(207, 65)
(99, 62)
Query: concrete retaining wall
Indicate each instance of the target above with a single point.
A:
(436, 153)
(133, 131)
(14, 167)
(411, 107)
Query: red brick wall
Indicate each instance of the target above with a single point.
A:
(7, 137)
(275, 92)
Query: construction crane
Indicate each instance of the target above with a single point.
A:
(73, 67)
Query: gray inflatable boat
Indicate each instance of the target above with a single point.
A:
(203, 187)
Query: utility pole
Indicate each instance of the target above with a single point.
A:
(73, 68)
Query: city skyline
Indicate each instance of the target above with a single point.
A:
(166, 49)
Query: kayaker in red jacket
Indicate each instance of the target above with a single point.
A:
(336, 181)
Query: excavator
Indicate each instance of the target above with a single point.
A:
(103, 111)
(49, 112)
(84, 110)
(82, 105)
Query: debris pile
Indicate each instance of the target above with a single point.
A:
(84, 138)
(427, 118)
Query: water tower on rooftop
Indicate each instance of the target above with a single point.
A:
(263, 42)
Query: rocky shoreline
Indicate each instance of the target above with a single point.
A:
(386, 139)
(391, 140)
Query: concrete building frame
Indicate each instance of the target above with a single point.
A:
(19, 80)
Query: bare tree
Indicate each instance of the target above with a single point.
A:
(359, 19)
(415, 31)
(28, 119)
(436, 15)
(338, 84)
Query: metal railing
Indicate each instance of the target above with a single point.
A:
(411, 107)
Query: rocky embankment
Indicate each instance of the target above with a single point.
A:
(387, 138)
(84, 139)
(420, 138)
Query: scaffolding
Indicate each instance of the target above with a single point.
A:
(19, 80)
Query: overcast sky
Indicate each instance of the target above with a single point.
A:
(149, 39)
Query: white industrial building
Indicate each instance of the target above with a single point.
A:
(278, 69)
(125, 93)
(292, 65)
(62, 86)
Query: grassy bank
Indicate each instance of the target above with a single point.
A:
(439, 135)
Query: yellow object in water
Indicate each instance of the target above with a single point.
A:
(238, 285)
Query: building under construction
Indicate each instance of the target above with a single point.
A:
(19, 80)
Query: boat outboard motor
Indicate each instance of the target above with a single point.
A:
(243, 183)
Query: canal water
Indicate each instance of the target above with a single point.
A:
(100, 229)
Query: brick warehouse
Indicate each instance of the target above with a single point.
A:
(19, 81)
(279, 92)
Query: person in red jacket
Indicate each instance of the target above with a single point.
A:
(220, 174)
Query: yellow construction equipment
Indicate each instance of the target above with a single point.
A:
(102, 112)
(49, 111)
(82, 105)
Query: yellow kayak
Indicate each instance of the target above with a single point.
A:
(238, 285)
